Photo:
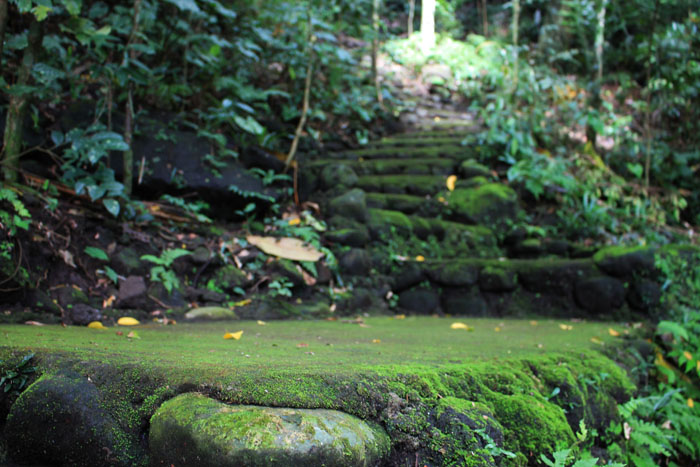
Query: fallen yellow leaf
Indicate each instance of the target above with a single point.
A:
(613, 332)
(295, 221)
(420, 258)
(106, 303)
(233, 335)
(399, 316)
(376, 341)
(133, 335)
(285, 247)
(595, 340)
(450, 183)
(461, 326)
(533, 323)
(96, 325)
(565, 327)
(691, 403)
(688, 355)
(497, 329)
(261, 323)
(245, 302)
(127, 321)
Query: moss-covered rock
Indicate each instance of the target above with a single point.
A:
(453, 273)
(195, 430)
(351, 204)
(600, 295)
(338, 174)
(420, 300)
(497, 279)
(229, 277)
(471, 168)
(626, 262)
(464, 302)
(553, 276)
(62, 420)
(420, 185)
(357, 237)
(408, 204)
(356, 262)
(490, 203)
(210, 313)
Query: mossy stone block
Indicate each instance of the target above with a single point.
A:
(600, 295)
(490, 203)
(453, 273)
(210, 313)
(338, 175)
(61, 419)
(352, 204)
(229, 277)
(192, 429)
(626, 262)
(471, 168)
(497, 279)
(357, 237)
(420, 300)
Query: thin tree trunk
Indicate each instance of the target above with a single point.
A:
(484, 18)
(128, 178)
(516, 22)
(18, 104)
(411, 15)
(376, 4)
(3, 25)
(647, 113)
(427, 25)
(595, 98)
(307, 94)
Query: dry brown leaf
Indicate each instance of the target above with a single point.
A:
(34, 323)
(285, 247)
(67, 257)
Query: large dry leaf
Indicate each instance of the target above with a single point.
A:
(285, 247)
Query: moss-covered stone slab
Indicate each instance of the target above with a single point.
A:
(351, 204)
(210, 313)
(338, 175)
(456, 152)
(427, 385)
(421, 185)
(193, 429)
(423, 139)
(488, 204)
(407, 204)
(626, 261)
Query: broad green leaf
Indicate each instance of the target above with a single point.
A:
(41, 12)
(72, 6)
(112, 206)
(186, 5)
(249, 124)
(96, 253)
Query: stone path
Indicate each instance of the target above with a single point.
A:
(430, 224)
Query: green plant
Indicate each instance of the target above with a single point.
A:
(162, 272)
(281, 287)
(569, 456)
(100, 255)
(14, 380)
(17, 217)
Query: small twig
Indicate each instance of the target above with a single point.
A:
(158, 302)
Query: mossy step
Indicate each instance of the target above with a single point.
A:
(418, 166)
(421, 134)
(418, 140)
(408, 204)
(417, 377)
(382, 224)
(421, 185)
(452, 151)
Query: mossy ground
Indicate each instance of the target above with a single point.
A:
(312, 345)
(390, 371)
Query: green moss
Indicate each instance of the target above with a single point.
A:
(421, 185)
(617, 251)
(503, 373)
(445, 150)
(484, 203)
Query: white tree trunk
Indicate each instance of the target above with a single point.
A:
(427, 25)
(600, 39)
(411, 14)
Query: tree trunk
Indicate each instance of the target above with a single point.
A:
(3, 25)
(427, 25)
(376, 5)
(18, 104)
(484, 18)
(595, 99)
(128, 178)
(411, 15)
(516, 22)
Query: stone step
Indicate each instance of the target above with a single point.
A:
(615, 283)
(452, 151)
(421, 134)
(408, 204)
(419, 140)
(420, 185)
(383, 224)
(420, 166)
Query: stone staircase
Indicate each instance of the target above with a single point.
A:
(415, 215)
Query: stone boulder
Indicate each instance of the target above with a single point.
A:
(61, 420)
(352, 204)
(192, 429)
(626, 262)
(600, 295)
(338, 175)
